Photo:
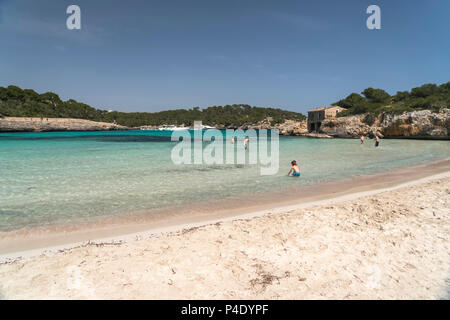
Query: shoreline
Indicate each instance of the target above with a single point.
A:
(389, 244)
(16, 248)
(45, 124)
(61, 125)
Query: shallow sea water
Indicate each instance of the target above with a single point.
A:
(67, 177)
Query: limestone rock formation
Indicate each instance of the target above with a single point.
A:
(18, 124)
(292, 128)
(352, 126)
(418, 124)
(422, 124)
(287, 128)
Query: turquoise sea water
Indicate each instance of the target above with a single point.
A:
(68, 177)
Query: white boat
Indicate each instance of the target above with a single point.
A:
(207, 127)
(171, 128)
(203, 127)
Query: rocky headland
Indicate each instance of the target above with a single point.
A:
(423, 124)
(25, 124)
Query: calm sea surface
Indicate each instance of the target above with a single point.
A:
(70, 177)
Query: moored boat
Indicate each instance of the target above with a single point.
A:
(171, 128)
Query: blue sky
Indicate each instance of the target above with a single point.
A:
(155, 55)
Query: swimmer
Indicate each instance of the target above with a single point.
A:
(246, 143)
(295, 170)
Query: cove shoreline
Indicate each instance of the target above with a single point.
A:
(33, 242)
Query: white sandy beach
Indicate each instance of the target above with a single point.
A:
(389, 245)
(214, 158)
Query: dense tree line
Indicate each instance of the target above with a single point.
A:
(16, 102)
(429, 96)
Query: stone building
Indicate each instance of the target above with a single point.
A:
(316, 116)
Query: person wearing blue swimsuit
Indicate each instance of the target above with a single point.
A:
(295, 170)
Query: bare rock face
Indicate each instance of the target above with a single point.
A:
(422, 124)
(20, 124)
(149, 127)
(292, 128)
(352, 126)
(287, 128)
(418, 124)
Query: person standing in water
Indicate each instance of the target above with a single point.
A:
(377, 141)
(246, 143)
(232, 140)
(295, 170)
(362, 139)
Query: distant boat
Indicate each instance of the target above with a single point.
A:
(203, 127)
(171, 128)
(207, 127)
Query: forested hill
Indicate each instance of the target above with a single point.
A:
(428, 96)
(15, 102)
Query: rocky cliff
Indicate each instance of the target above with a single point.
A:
(287, 128)
(293, 128)
(423, 124)
(19, 124)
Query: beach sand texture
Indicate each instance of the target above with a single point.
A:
(391, 245)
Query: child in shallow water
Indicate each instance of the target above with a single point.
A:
(295, 170)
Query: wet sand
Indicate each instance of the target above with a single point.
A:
(387, 240)
(33, 241)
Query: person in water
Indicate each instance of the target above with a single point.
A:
(295, 170)
(246, 143)
(362, 139)
(377, 141)
(232, 140)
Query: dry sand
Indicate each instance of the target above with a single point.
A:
(390, 245)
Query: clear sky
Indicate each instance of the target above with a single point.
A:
(153, 55)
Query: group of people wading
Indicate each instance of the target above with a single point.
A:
(377, 140)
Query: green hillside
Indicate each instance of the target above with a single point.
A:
(15, 102)
(429, 96)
